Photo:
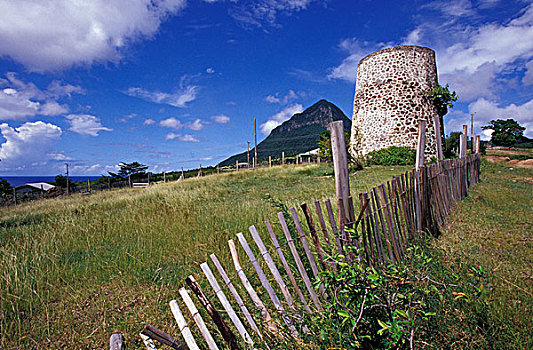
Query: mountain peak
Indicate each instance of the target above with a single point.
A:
(298, 134)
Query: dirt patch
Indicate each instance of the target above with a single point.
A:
(495, 159)
(523, 179)
(528, 163)
(508, 151)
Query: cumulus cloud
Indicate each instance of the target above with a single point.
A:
(276, 98)
(26, 145)
(86, 124)
(528, 75)
(175, 124)
(486, 111)
(220, 119)
(57, 34)
(196, 125)
(179, 137)
(148, 121)
(279, 118)
(473, 59)
(20, 100)
(172, 123)
(257, 13)
(356, 49)
(210, 70)
(176, 99)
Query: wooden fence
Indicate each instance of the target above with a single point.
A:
(279, 273)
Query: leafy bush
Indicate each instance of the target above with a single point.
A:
(397, 305)
(392, 155)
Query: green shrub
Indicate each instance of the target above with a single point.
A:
(392, 155)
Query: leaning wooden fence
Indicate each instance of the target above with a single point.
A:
(279, 273)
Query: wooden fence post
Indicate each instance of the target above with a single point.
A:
(282, 158)
(129, 180)
(421, 144)
(340, 165)
(420, 148)
(15, 196)
(462, 143)
(237, 165)
(218, 169)
(270, 161)
(478, 144)
(438, 137)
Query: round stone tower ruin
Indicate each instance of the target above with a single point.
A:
(389, 100)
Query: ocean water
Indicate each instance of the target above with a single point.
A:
(21, 180)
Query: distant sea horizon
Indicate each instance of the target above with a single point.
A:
(21, 180)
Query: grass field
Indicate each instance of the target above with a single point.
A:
(75, 270)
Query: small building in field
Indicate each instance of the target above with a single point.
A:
(33, 187)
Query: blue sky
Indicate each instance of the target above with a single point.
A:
(176, 83)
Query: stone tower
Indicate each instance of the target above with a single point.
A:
(389, 100)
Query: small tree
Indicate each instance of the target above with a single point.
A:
(442, 98)
(504, 132)
(451, 144)
(324, 145)
(61, 181)
(5, 188)
(134, 169)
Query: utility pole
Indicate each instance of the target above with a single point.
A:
(248, 154)
(255, 138)
(67, 178)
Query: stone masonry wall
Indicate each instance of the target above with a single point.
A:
(389, 99)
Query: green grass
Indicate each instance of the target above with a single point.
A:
(493, 228)
(75, 270)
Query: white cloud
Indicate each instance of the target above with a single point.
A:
(276, 98)
(19, 100)
(148, 121)
(57, 155)
(56, 34)
(175, 124)
(469, 86)
(26, 145)
(279, 118)
(179, 137)
(220, 119)
(488, 110)
(172, 123)
(176, 99)
(258, 12)
(528, 76)
(356, 50)
(210, 70)
(86, 124)
(125, 118)
(196, 125)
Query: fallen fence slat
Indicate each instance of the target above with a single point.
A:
(182, 325)
(148, 342)
(225, 304)
(198, 319)
(162, 337)
(236, 295)
(248, 286)
(223, 328)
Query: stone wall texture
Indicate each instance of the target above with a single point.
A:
(389, 100)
